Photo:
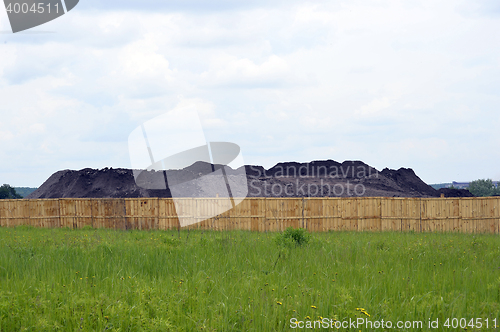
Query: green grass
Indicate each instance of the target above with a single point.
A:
(104, 280)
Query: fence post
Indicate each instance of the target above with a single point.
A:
(265, 214)
(124, 220)
(59, 211)
(92, 213)
(420, 214)
(303, 207)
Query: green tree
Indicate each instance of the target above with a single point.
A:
(497, 189)
(482, 188)
(7, 192)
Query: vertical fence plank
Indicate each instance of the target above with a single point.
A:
(270, 213)
(109, 213)
(141, 213)
(83, 212)
(311, 213)
(425, 222)
(363, 209)
(3, 213)
(334, 211)
(454, 211)
(15, 212)
(167, 217)
(68, 213)
(414, 211)
(369, 214)
(391, 209)
(494, 223)
(349, 214)
(42, 212)
(468, 211)
(256, 212)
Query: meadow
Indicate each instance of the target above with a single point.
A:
(107, 280)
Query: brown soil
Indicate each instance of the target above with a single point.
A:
(449, 192)
(314, 179)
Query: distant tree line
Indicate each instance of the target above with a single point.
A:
(24, 191)
(483, 188)
(8, 192)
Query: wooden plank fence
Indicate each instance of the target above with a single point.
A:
(466, 215)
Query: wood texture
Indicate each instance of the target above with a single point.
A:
(465, 215)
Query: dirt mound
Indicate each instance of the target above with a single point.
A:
(325, 178)
(92, 183)
(450, 192)
(332, 179)
(407, 180)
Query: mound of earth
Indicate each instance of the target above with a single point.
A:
(93, 183)
(325, 178)
(452, 192)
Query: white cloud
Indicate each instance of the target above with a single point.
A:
(411, 84)
(375, 107)
(6, 136)
(230, 71)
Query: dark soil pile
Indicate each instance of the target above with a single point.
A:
(333, 179)
(449, 192)
(326, 178)
(92, 183)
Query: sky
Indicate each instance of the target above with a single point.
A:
(412, 84)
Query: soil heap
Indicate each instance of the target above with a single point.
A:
(326, 178)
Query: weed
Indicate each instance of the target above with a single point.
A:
(293, 237)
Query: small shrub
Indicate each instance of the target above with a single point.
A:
(293, 237)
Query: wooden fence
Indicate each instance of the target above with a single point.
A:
(466, 215)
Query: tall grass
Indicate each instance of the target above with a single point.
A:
(104, 280)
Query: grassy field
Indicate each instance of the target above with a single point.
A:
(104, 280)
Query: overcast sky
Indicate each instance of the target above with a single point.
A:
(392, 83)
